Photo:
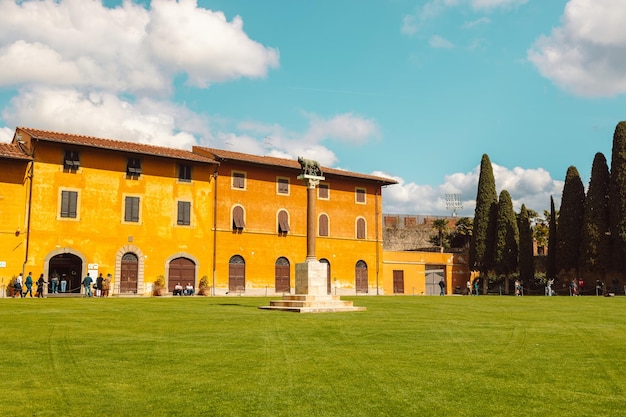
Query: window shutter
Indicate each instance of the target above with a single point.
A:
(360, 229)
(238, 222)
(323, 225)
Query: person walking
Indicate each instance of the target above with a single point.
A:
(29, 285)
(476, 282)
(442, 287)
(17, 286)
(87, 281)
(40, 283)
(469, 287)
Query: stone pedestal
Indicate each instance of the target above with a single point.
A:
(311, 278)
(311, 293)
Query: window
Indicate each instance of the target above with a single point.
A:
(238, 223)
(282, 186)
(239, 180)
(71, 162)
(360, 228)
(131, 209)
(323, 191)
(133, 167)
(360, 195)
(283, 222)
(69, 204)
(184, 213)
(184, 173)
(323, 225)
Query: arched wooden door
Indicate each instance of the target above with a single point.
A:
(282, 275)
(328, 280)
(69, 269)
(128, 273)
(181, 270)
(236, 274)
(360, 274)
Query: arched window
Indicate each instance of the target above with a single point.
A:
(238, 222)
(323, 225)
(360, 228)
(283, 222)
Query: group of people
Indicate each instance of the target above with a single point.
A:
(475, 286)
(100, 287)
(179, 290)
(24, 287)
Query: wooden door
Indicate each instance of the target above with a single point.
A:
(183, 271)
(128, 274)
(282, 275)
(236, 274)
(398, 282)
(361, 284)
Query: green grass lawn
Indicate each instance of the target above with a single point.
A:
(404, 356)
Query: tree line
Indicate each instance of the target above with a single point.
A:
(586, 237)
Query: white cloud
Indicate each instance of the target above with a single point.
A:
(345, 127)
(532, 187)
(586, 55)
(125, 49)
(106, 115)
(440, 42)
(478, 22)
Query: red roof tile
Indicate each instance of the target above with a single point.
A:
(115, 145)
(223, 155)
(12, 151)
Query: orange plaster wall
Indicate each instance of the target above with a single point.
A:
(13, 218)
(260, 244)
(100, 231)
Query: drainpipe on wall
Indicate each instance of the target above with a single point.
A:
(28, 211)
(377, 241)
(214, 229)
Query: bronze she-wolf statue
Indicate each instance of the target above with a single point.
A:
(310, 167)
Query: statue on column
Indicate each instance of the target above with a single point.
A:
(310, 167)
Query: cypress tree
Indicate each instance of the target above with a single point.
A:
(594, 246)
(483, 236)
(617, 200)
(570, 223)
(552, 239)
(507, 239)
(526, 256)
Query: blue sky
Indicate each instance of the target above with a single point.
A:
(413, 90)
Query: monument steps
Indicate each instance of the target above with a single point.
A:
(302, 303)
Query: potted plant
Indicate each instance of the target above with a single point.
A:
(158, 288)
(203, 287)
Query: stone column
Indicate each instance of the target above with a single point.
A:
(311, 218)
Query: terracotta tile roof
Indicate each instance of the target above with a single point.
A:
(116, 145)
(12, 151)
(223, 155)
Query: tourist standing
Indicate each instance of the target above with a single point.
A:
(87, 281)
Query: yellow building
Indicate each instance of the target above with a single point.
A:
(234, 220)
(260, 229)
(14, 195)
(100, 206)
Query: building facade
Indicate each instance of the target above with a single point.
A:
(74, 205)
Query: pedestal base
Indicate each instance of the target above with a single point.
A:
(311, 293)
